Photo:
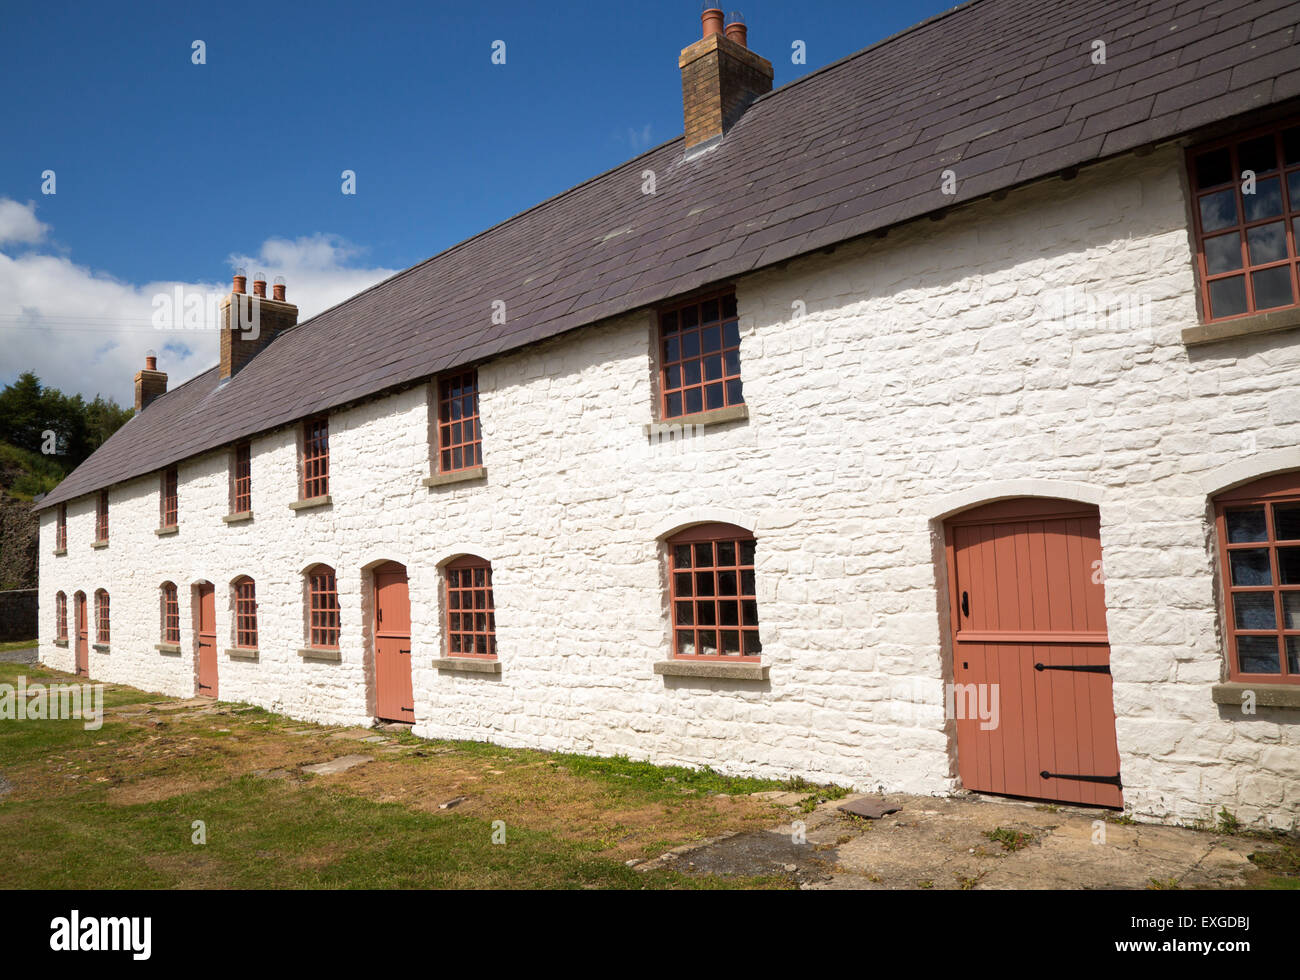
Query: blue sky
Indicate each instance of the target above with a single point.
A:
(171, 172)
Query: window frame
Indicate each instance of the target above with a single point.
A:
(322, 604)
(61, 529)
(314, 458)
(103, 614)
(61, 616)
(169, 497)
(454, 569)
(1282, 488)
(714, 534)
(1290, 218)
(241, 477)
(447, 424)
(667, 390)
(243, 595)
(170, 612)
(101, 518)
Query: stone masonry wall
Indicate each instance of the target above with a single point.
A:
(889, 384)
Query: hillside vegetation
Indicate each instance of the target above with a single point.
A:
(44, 436)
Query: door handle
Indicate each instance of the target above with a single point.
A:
(965, 604)
(400, 650)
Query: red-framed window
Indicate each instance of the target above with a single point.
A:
(61, 616)
(460, 434)
(315, 458)
(61, 529)
(245, 613)
(1259, 548)
(699, 357)
(714, 606)
(168, 505)
(1246, 243)
(101, 616)
(241, 479)
(471, 609)
(322, 608)
(171, 613)
(101, 517)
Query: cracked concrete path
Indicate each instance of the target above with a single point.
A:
(958, 843)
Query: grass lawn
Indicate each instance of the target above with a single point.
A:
(17, 645)
(115, 808)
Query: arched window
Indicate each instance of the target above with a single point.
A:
(245, 613)
(322, 608)
(471, 610)
(101, 616)
(711, 581)
(1259, 548)
(171, 614)
(61, 616)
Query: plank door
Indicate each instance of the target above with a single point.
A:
(83, 637)
(207, 640)
(1029, 629)
(394, 700)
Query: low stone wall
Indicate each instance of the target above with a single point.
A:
(18, 615)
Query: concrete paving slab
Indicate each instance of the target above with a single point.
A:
(341, 764)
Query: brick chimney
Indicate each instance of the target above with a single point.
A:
(149, 383)
(249, 323)
(720, 78)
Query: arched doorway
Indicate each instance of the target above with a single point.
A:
(394, 697)
(1031, 691)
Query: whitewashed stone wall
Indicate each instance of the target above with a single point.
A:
(929, 371)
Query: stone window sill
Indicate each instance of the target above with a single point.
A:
(170, 529)
(468, 665)
(311, 502)
(99, 544)
(100, 647)
(242, 653)
(1266, 695)
(712, 668)
(321, 653)
(243, 515)
(60, 552)
(718, 416)
(1244, 326)
(459, 476)
(167, 647)
(60, 643)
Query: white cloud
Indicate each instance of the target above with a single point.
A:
(86, 331)
(637, 139)
(18, 223)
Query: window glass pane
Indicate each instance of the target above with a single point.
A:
(691, 373)
(1293, 654)
(1258, 154)
(753, 645)
(1250, 567)
(1219, 210)
(682, 555)
(685, 614)
(668, 322)
(1228, 296)
(1291, 145)
(726, 552)
(747, 582)
(713, 367)
(747, 552)
(704, 554)
(1291, 610)
(726, 583)
(1293, 188)
(749, 611)
(734, 394)
(673, 376)
(709, 313)
(685, 643)
(673, 405)
(1267, 243)
(691, 316)
(704, 583)
(1286, 522)
(729, 305)
(691, 344)
(1272, 287)
(1214, 168)
(729, 613)
(711, 339)
(1266, 201)
(694, 401)
(731, 363)
(1288, 565)
(1258, 655)
(707, 612)
(672, 349)
(709, 643)
(713, 397)
(1223, 253)
(731, 333)
(731, 642)
(1254, 611)
(1246, 525)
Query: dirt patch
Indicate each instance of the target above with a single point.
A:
(152, 790)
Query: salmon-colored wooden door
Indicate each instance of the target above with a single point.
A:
(394, 700)
(83, 637)
(1032, 684)
(207, 640)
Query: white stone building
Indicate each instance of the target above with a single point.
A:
(968, 457)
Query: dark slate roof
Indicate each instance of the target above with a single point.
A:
(1001, 91)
